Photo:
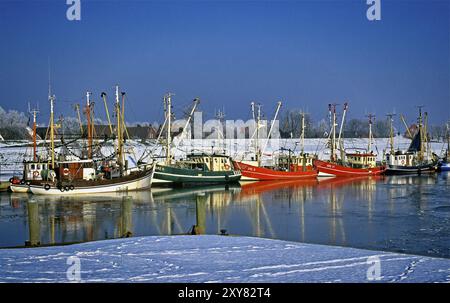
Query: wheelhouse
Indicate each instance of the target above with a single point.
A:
(214, 162)
(362, 160)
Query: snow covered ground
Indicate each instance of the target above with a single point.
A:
(212, 258)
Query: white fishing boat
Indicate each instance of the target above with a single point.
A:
(73, 176)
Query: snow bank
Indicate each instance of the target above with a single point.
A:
(212, 258)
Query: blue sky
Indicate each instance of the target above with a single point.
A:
(304, 53)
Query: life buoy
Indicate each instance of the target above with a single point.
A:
(47, 186)
(35, 173)
(66, 171)
(403, 162)
(226, 166)
(11, 180)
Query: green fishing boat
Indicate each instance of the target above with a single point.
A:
(199, 169)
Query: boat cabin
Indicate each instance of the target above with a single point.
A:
(214, 162)
(400, 158)
(361, 160)
(299, 162)
(35, 170)
(76, 170)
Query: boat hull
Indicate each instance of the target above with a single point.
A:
(177, 175)
(19, 188)
(255, 173)
(410, 170)
(140, 182)
(332, 169)
(445, 166)
(4, 186)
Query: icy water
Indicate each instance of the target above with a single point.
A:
(402, 214)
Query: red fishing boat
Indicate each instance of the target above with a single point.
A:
(350, 164)
(327, 168)
(252, 172)
(287, 167)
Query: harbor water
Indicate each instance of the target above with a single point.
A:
(408, 214)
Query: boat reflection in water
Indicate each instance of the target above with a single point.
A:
(374, 212)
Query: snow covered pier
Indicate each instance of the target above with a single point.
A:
(212, 258)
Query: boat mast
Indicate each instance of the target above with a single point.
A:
(34, 112)
(340, 140)
(168, 105)
(119, 133)
(52, 130)
(369, 147)
(103, 96)
(77, 109)
(406, 126)
(302, 136)
(391, 132)
(421, 133)
(332, 110)
(89, 124)
(448, 141)
(271, 126)
(258, 149)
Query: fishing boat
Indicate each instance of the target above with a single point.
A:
(34, 169)
(197, 168)
(350, 164)
(290, 167)
(71, 176)
(416, 159)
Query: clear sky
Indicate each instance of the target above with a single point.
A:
(304, 53)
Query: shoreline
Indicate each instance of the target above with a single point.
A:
(214, 258)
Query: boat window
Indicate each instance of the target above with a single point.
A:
(32, 166)
(38, 167)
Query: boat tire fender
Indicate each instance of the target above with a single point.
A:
(47, 186)
(71, 187)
